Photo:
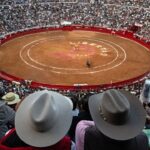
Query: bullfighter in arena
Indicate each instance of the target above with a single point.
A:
(88, 63)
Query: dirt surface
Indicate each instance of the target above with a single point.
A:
(74, 57)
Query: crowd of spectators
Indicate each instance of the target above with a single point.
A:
(20, 15)
(49, 120)
(119, 14)
(25, 88)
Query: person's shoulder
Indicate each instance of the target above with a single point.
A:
(86, 123)
(142, 134)
(142, 137)
(2, 103)
(92, 130)
(8, 109)
(82, 126)
(142, 141)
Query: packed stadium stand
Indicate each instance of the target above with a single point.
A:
(18, 16)
(21, 15)
(124, 15)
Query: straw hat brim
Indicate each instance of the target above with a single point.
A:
(15, 101)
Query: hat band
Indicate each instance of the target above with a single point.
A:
(116, 119)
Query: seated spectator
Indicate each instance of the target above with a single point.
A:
(42, 121)
(146, 106)
(7, 117)
(75, 110)
(11, 99)
(118, 118)
(84, 114)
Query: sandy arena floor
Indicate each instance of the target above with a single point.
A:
(61, 57)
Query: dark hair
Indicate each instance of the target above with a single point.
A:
(2, 93)
(146, 104)
(74, 101)
(85, 100)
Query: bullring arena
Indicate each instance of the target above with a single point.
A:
(86, 51)
(74, 55)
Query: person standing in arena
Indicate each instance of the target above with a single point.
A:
(88, 63)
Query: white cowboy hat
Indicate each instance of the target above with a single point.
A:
(43, 118)
(11, 98)
(117, 114)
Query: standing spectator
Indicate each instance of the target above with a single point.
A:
(146, 106)
(42, 121)
(7, 116)
(119, 119)
(145, 93)
(11, 99)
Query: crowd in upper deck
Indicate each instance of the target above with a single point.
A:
(118, 15)
(20, 15)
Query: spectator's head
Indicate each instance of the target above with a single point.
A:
(84, 102)
(117, 114)
(43, 118)
(11, 99)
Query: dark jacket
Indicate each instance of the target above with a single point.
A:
(7, 116)
(95, 140)
(12, 142)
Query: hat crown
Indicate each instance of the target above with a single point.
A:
(10, 96)
(114, 107)
(43, 113)
(43, 118)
